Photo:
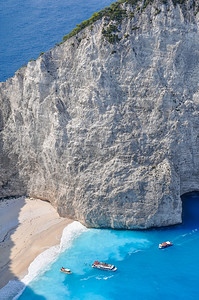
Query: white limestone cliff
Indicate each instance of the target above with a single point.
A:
(109, 133)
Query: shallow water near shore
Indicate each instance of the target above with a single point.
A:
(144, 271)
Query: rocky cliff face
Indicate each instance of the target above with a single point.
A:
(109, 132)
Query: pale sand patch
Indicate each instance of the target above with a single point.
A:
(27, 228)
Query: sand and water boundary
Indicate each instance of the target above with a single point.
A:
(27, 228)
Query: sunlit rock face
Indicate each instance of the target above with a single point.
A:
(108, 133)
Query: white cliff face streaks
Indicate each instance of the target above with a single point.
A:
(109, 133)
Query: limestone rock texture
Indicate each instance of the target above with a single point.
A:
(109, 132)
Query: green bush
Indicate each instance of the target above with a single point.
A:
(158, 11)
(135, 28)
(114, 12)
(131, 15)
(108, 33)
(146, 3)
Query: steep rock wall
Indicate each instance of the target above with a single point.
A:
(108, 133)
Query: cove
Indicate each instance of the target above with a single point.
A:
(144, 271)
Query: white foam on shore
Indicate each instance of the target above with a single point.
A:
(43, 262)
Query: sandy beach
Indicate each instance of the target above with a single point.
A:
(27, 228)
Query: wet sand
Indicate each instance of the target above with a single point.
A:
(27, 228)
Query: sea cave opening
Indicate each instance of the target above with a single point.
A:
(190, 208)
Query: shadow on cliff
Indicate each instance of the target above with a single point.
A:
(11, 184)
(10, 285)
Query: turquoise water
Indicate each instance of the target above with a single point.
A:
(144, 271)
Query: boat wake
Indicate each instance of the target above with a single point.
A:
(104, 277)
(186, 237)
(87, 278)
(135, 251)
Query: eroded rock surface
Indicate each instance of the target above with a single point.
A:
(109, 133)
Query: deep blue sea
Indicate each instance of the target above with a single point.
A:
(29, 27)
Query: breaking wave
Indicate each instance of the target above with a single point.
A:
(42, 262)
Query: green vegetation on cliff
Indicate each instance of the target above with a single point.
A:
(117, 12)
(114, 12)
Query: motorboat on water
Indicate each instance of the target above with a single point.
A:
(103, 266)
(66, 271)
(165, 245)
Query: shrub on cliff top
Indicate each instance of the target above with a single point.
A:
(114, 12)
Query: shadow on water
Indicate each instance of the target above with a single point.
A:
(10, 285)
(190, 213)
(190, 209)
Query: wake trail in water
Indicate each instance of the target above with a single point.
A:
(186, 237)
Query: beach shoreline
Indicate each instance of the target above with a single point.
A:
(27, 228)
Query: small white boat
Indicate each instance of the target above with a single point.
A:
(165, 245)
(66, 271)
(103, 266)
